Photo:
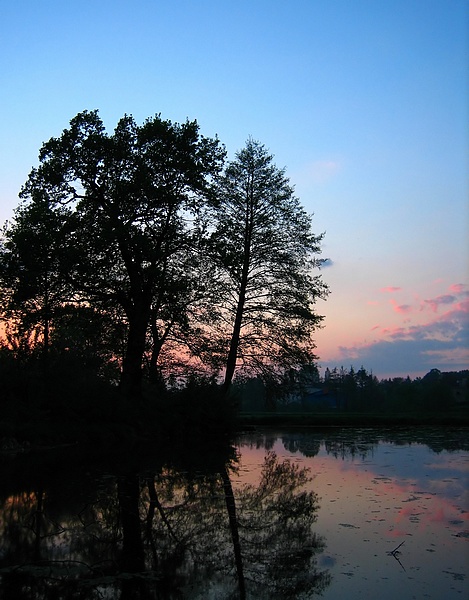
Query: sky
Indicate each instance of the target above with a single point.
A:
(364, 102)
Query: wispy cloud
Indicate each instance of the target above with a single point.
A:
(322, 170)
(315, 173)
(459, 291)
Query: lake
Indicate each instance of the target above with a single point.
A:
(335, 513)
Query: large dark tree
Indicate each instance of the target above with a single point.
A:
(266, 253)
(129, 200)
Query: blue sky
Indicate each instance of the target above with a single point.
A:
(363, 101)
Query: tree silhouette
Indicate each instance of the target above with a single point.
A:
(265, 253)
(129, 198)
(161, 528)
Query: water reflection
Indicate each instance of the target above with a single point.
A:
(161, 530)
(244, 521)
(356, 442)
(394, 507)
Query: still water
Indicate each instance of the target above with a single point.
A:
(339, 513)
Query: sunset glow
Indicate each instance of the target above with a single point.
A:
(364, 103)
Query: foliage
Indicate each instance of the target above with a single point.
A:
(33, 287)
(124, 204)
(264, 253)
(130, 251)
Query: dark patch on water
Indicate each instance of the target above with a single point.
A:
(456, 576)
(462, 534)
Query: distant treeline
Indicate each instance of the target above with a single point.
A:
(350, 390)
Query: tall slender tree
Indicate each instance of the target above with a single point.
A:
(266, 252)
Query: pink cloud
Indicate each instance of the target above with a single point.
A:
(425, 332)
(386, 330)
(440, 342)
(457, 288)
(401, 308)
(442, 327)
(459, 291)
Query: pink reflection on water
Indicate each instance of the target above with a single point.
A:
(372, 502)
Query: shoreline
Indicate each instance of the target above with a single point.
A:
(354, 419)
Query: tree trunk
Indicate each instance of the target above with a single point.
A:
(233, 353)
(235, 336)
(131, 376)
(154, 373)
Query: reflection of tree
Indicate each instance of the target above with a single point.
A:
(260, 440)
(438, 439)
(48, 551)
(132, 558)
(257, 539)
(342, 448)
(306, 443)
(166, 534)
(341, 444)
(352, 442)
(234, 529)
(279, 545)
